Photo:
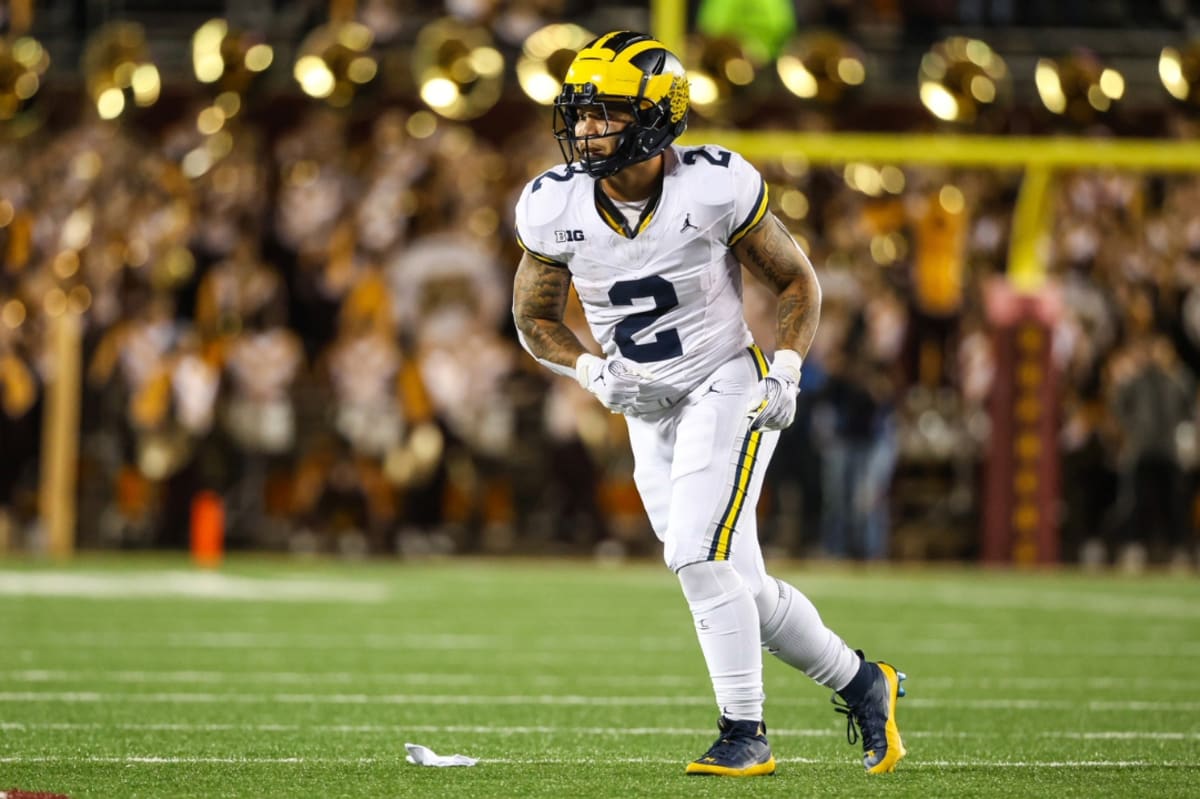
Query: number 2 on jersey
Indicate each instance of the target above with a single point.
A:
(664, 345)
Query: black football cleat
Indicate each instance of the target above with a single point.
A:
(875, 717)
(740, 751)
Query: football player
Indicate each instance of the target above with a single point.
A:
(653, 235)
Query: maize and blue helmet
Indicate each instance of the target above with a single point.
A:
(630, 72)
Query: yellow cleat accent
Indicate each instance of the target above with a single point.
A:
(740, 751)
(700, 768)
(895, 746)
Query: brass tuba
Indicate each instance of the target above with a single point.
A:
(226, 58)
(117, 69)
(721, 76)
(960, 78)
(459, 71)
(335, 60)
(821, 65)
(23, 61)
(1078, 86)
(546, 55)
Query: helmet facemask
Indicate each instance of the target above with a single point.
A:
(646, 135)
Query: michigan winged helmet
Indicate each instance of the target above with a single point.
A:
(630, 72)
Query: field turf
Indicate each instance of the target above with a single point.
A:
(132, 678)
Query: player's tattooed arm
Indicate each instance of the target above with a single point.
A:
(774, 257)
(539, 300)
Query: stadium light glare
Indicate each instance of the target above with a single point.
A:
(110, 103)
(893, 179)
(983, 89)
(362, 69)
(314, 77)
(939, 101)
(25, 85)
(794, 204)
(439, 93)
(796, 77)
(951, 198)
(1097, 99)
(13, 314)
(851, 71)
(210, 120)
(883, 250)
(703, 89)
(30, 53)
(1179, 71)
(229, 103)
(1049, 86)
(207, 62)
(146, 84)
(259, 57)
(1112, 83)
(421, 125)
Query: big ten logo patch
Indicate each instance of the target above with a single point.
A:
(563, 236)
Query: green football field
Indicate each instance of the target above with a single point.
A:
(147, 678)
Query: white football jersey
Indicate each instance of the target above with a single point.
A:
(666, 293)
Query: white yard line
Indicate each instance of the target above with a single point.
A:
(214, 677)
(1155, 684)
(1042, 600)
(514, 730)
(193, 677)
(184, 697)
(569, 647)
(976, 647)
(911, 763)
(187, 585)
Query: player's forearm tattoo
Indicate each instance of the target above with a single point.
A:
(539, 300)
(799, 313)
(774, 256)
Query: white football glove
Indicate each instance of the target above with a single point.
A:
(774, 405)
(614, 381)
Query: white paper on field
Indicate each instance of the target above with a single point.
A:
(424, 756)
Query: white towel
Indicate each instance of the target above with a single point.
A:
(424, 756)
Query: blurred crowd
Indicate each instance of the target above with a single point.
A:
(307, 312)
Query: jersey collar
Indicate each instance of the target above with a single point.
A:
(613, 217)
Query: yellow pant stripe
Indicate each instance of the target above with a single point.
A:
(723, 535)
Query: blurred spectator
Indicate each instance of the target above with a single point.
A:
(858, 439)
(19, 393)
(1153, 401)
(451, 305)
(262, 361)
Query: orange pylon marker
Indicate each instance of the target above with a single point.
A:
(208, 529)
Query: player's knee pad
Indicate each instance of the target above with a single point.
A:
(709, 579)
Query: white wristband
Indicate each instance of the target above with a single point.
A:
(583, 368)
(787, 359)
